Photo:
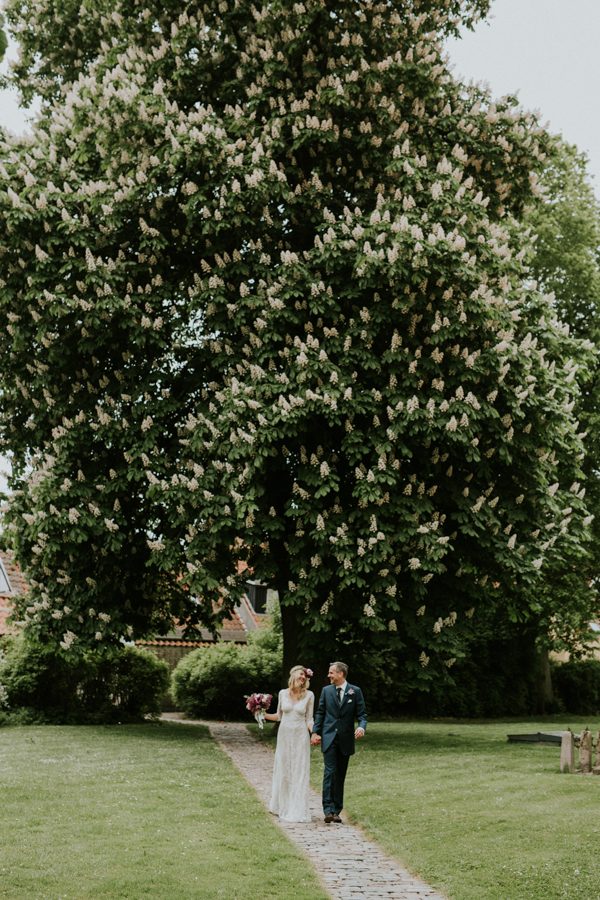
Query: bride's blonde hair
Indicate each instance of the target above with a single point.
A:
(294, 683)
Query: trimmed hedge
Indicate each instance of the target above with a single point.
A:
(213, 681)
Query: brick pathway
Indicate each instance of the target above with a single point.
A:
(350, 865)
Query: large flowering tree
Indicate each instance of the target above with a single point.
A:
(265, 303)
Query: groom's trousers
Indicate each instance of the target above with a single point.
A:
(334, 774)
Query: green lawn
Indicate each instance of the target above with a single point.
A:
(157, 811)
(151, 811)
(478, 817)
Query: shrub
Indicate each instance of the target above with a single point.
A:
(212, 681)
(120, 684)
(577, 686)
(22, 716)
(34, 677)
(127, 685)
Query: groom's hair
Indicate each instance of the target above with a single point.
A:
(341, 667)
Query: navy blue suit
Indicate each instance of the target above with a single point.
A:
(335, 725)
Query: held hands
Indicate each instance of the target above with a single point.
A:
(315, 739)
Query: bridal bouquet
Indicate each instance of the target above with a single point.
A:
(258, 704)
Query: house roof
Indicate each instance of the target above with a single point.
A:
(12, 583)
(231, 629)
(234, 628)
(17, 583)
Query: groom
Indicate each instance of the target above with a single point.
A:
(340, 704)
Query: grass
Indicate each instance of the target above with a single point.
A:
(136, 811)
(475, 816)
(158, 811)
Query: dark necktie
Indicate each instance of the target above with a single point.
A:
(339, 696)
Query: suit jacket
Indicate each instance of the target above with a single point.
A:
(333, 719)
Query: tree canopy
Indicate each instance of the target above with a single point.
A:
(264, 286)
(566, 265)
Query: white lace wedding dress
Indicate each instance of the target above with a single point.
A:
(289, 795)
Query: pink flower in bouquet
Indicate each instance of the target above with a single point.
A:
(258, 704)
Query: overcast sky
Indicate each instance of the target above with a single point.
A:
(548, 53)
(545, 51)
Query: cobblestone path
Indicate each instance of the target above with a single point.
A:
(349, 864)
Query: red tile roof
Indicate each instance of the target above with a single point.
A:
(231, 629)
(172, 642)
(234, 628)
(15, 576)
(18, 585)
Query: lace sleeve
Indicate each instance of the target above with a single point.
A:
(309, 714)
(279, 712)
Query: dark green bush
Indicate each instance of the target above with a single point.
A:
(498, 677)
(576, 686)
(128, 685)
(213, 681)
(21, 716)
(34, 677)
(120, 684)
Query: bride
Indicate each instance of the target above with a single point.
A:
(289, 794)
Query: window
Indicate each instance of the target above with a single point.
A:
(257, 595)
(5, 587)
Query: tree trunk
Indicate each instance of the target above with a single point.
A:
(300, 648)
(545, 694)
(290, 629)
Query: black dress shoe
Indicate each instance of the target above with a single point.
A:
(329, 817)
(336, 817)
